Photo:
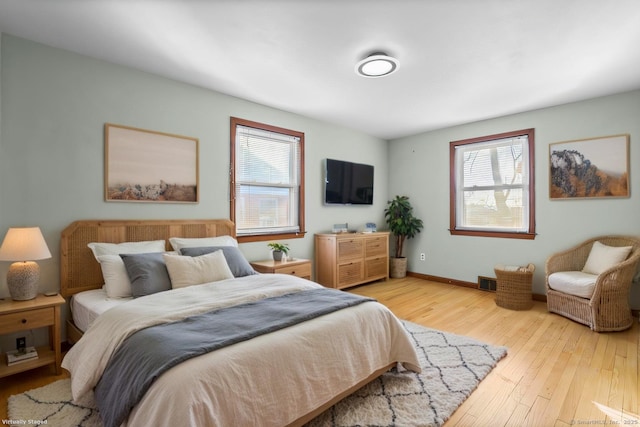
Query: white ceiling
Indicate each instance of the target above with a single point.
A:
(460, 60)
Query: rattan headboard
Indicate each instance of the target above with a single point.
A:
(79, 271)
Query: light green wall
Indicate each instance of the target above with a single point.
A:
(2, 177)
(55, 104)
(419, 168)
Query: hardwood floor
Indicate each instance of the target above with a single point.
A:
(555, 371)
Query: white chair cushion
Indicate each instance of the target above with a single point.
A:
(575, 283)
(603, 257)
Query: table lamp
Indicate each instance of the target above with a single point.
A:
(24, 246)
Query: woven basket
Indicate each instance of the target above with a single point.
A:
(513, 288)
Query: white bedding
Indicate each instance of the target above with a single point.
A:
(88, 305)
(271, 380)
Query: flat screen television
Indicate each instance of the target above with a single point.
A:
(348, 183)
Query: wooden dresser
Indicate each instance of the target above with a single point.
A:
(349, 259)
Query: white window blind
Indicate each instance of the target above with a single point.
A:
(492, 185)
(267, 182)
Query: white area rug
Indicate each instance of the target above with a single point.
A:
(452, 367)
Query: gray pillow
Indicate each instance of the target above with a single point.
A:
(238, 264)
(147, 272)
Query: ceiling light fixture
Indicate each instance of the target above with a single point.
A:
(377, 65)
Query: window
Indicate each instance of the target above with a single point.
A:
(492, 190)
(267, 181)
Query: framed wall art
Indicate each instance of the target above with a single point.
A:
(589, 168)
(148, 166)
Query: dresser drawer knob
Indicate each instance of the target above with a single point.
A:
(24, 321)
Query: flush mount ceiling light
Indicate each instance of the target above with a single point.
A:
(377, 65)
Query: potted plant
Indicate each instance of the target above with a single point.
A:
(277, 249)
(402, 223)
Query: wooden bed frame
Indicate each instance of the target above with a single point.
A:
(79, 270)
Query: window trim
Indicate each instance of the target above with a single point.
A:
(531, 233)
(234, 122)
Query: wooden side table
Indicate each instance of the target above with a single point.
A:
(297, 267)
(16, 316)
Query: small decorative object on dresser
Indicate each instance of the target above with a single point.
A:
(278, 249)
(340, 228)
(294, 267)
(24, 246)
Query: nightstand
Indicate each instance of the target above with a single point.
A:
(42, 311)
(297, 267)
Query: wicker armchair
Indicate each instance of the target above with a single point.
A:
(608, 307)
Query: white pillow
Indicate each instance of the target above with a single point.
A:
(126, 248)
(186, 271)
(116, 278)
(603, 257)
(178, 243)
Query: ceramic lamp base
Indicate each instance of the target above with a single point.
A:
(22, 280)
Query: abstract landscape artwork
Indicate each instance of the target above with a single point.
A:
(148, 166)
(589, 168)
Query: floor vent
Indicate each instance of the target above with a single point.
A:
(486, 283)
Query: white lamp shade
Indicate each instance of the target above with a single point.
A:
(24, 244)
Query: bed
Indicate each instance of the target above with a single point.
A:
(285, 376)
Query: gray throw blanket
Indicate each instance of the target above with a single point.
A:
(146, 354)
